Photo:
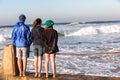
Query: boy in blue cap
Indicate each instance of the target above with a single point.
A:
(21, 39)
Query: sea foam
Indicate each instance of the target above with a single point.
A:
(92, 30)
(2, 38)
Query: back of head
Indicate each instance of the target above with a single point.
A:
(22, 17)
(38, 21)
(49, 23)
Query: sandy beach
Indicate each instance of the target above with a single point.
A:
(30, 76)
(69, 76)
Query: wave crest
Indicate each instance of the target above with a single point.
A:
(104, 29)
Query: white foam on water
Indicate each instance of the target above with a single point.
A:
(93, 30)
(2, 39)
(96, 65)
(83, 31)
(5, 34)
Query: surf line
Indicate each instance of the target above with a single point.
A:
(83, 54)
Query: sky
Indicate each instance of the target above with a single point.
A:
(59, 10)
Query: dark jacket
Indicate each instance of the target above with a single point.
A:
(50, 39)
(36, 35)
(21, 35)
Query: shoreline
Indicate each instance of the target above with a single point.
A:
(30, 76)
(80, 54)
(85, 54)
(63, 76)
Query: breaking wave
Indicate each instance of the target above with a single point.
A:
(90, 30)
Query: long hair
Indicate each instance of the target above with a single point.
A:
(37, 21)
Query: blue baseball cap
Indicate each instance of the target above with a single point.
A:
(22, 17)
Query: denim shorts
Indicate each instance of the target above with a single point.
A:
(37, 49)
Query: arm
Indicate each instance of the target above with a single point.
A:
(31, 35)
(54, 44)
(28, 36)
(13, 37)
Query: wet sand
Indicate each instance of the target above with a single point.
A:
(30, 76)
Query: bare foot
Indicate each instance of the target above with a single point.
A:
(24, 74)
(54, 75)
(39, 75)
(35, 75)
(20, 74)
(46, 75)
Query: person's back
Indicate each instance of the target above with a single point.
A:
(22, 42)
(21, 35)
(50, 39)
(36, 35)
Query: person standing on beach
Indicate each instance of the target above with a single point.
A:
(50, 39)
(36, 37)
(22, 42)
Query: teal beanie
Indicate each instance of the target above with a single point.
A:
(49, 23)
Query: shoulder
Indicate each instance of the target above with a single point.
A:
(25, 26)
(42, 28)
(16, 24)
(33, 29)
(39, 28)
(54, 30)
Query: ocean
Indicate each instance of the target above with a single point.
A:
(80, 38)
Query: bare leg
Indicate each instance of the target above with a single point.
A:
(36, 65)
(52, 58)
(47, 58)
(24, 66)
(19, 62)
(40, 65)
